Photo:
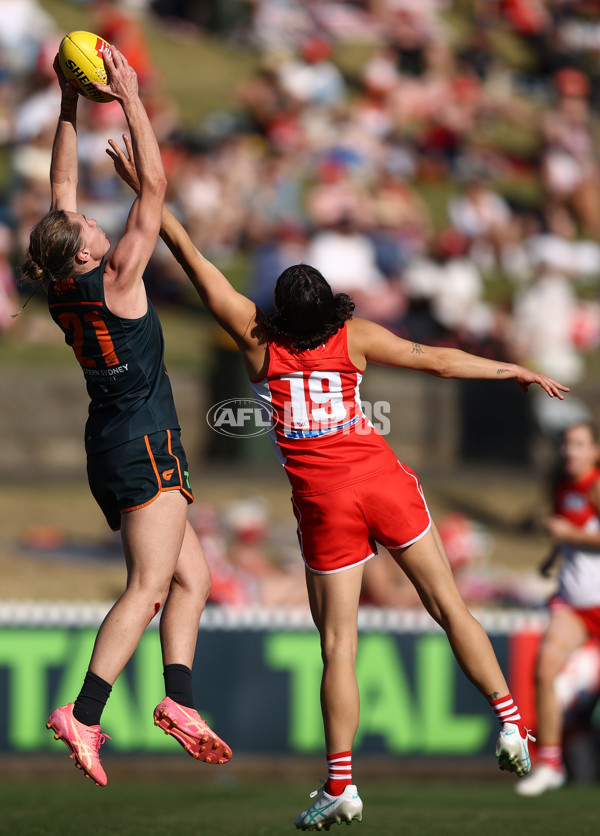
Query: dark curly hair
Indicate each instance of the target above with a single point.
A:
(307, 311)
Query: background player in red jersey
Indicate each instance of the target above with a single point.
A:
(575, 610)
(136, 464)
(305, 362)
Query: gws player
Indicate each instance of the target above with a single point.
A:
(137, 468)
(348, 489)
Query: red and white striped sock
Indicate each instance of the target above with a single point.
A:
(506, 711)
(339, 769)
(551, 755)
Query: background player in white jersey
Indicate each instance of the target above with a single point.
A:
(348, 488)
(575, 609)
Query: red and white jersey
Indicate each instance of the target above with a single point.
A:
(321, 434)
(579, 580)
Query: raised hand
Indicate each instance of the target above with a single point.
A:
(122, 82)
(68, 86)
(124, 162)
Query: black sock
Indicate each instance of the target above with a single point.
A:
(178, 684)
(92, 698)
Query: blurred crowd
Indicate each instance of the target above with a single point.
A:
(447, 178)
(255, 562)
(434, 159)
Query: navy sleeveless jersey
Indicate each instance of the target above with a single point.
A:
(122, 361)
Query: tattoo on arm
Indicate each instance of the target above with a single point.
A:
(416, 349)
(501, 371)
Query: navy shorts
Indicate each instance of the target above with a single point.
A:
(134, 474)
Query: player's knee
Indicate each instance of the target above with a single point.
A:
(338, 648)
(449, 614)
(152, 591)
(148, 608)
(200, 591)
(156, 602)
(197, 585)
(206, 589)
(547, 668)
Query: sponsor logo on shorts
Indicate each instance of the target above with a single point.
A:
(241, 418)
(166, 474)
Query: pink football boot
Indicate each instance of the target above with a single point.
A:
(189, 729)
(83, 741)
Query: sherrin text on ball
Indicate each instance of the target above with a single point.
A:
(81, 56)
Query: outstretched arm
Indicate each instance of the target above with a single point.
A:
(369, 342)
(233, 311)
(63, 164)
(128, 260)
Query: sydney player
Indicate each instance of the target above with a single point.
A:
(305, 362)
(575, 609)
(137, 468)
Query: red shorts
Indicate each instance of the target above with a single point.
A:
(590, 616)
(338, 529)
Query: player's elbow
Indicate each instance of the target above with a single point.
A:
(155, 184)
(441, 364)
(160, 185)
(162, 182)
(434, 367)
(442, 370)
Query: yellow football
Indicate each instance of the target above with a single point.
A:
(81, 57)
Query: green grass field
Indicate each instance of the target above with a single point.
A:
(153, 809)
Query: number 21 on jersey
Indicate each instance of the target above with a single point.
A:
(78, 329)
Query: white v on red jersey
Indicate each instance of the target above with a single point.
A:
(321, 434)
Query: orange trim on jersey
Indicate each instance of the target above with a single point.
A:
(74, 304)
